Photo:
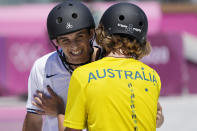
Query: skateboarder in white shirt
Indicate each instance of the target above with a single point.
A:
(71, 30)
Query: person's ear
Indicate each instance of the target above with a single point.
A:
(56, 42)
(92, 33)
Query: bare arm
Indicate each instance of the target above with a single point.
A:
(60, 124)
(60, 118)
(69, 129)
(32, 122)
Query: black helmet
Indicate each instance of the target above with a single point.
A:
(68, 17)
(126, 19)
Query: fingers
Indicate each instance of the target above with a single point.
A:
(159, 114)
(160, 117)
(39, 101)
(42, 97)
(159, 106)
(159, 110)
(159, 121)
(51, 92)
(37, 104)
(39, 94)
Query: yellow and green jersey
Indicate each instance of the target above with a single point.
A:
(113, 94)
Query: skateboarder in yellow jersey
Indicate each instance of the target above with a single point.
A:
(118, 92)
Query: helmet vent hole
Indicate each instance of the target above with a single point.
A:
(59, 20)
(74, 15)
(121, 17)
(140, 23)
(70, 4)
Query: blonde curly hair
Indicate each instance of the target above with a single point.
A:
(115, 43)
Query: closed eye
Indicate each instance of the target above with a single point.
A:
(81, 36)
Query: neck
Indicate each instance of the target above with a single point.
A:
(73, 67)
(119, 55)
(111, 54)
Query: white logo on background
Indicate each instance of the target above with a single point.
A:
(22, 55)
(68, 25)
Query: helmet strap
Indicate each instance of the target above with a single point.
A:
(67, 64)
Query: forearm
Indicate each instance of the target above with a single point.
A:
(60, 118)
(32, 122)
(70, 129)
(61, 127)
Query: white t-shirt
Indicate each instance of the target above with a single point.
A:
(48, 70)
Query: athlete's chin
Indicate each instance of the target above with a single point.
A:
(78, 60)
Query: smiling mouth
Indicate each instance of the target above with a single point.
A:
(76, 53)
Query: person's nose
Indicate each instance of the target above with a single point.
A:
(74, 45)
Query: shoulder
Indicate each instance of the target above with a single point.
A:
(40, 63)
(48, 57)
(42, 60)
(150, 69)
